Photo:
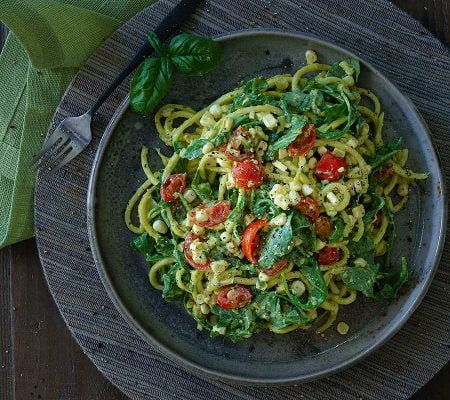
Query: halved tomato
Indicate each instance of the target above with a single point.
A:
(233, 296)
(250, 240)
(330, 168)
(323, 226)
(309, 207)
(276, 269)
(304, 142)
(191, 237)
(175, 184)
(240, 147)
(248, 174)
(216, 214)
(327, 255)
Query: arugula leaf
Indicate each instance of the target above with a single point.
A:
(260, 204)
(303, 101)
(195, 55)
(384, 154)
(355, 64)
(377, 203)
(302, 228)
(238, 209)
(195, 149)
(337, 71)
(338, 229)
(253, 94)
(298, 122)
(143, 244)
(276, 245)
(392, 282)
(239, 324)
(318, 291)
(278, 312)
(360, 278)
(150, 84)
(171, 291)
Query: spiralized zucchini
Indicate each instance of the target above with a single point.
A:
(324, 181)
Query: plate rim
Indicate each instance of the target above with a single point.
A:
(387, 332)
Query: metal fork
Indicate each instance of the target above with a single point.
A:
(74, 134)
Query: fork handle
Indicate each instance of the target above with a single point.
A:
(164, 30)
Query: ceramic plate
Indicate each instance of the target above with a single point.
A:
(265, 358)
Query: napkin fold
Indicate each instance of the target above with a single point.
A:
(49, 40)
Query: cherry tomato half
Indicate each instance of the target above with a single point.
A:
(327, 255)
(304, 142)
(330, 168)
(239, 147)
(173, 185)
(323, 226)
(276, 269)
(309, 207)
(216, 214)
(236, 296)
(250, 240)
(248, 174)
(191, 237)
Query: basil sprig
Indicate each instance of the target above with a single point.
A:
(189, 54)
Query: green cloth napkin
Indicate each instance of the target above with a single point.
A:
(49, 40)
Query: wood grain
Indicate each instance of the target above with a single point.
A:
(40, 360)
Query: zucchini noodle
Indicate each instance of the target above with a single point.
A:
(279, 196)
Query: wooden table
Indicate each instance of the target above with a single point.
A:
(40, 360)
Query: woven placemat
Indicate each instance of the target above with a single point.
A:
(376, 30)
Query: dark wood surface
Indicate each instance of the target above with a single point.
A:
(40, 360)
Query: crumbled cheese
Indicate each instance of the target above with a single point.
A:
(216, 111)
(294, 197)
(307, 190)
(281, 201)
(279, 220)
(201, 216)
(341, 170)
(189, 195)
(160, 226)
(263, 277)
(219, 266)
(204, 308)
(269, 121)
(298, 287)
(225, 237)
(207, 148)
(294, 185)
(332, 198)
(197, 251)
(207, 120)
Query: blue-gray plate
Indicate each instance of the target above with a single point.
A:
(265, 358)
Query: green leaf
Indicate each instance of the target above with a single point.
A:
(298, 122)
(238, 211)
(360, 278)
(302, 228)
(318, 291)
(355, 64)
(171, 291)
(143, 244)
(239, 324)
(276, 245)
(376, 204)
(156, 43)
(195, 55)
(391, 283)
(195, 149)
(338, 229)
(384, 154)
(150, 84)
(260, 204)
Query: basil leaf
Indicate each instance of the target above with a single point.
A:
(360, 278)
(195, 149)
(195, 55)
(276, 245)
(150, 84)
(318, 291)
(156, 43)
(298, 122)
